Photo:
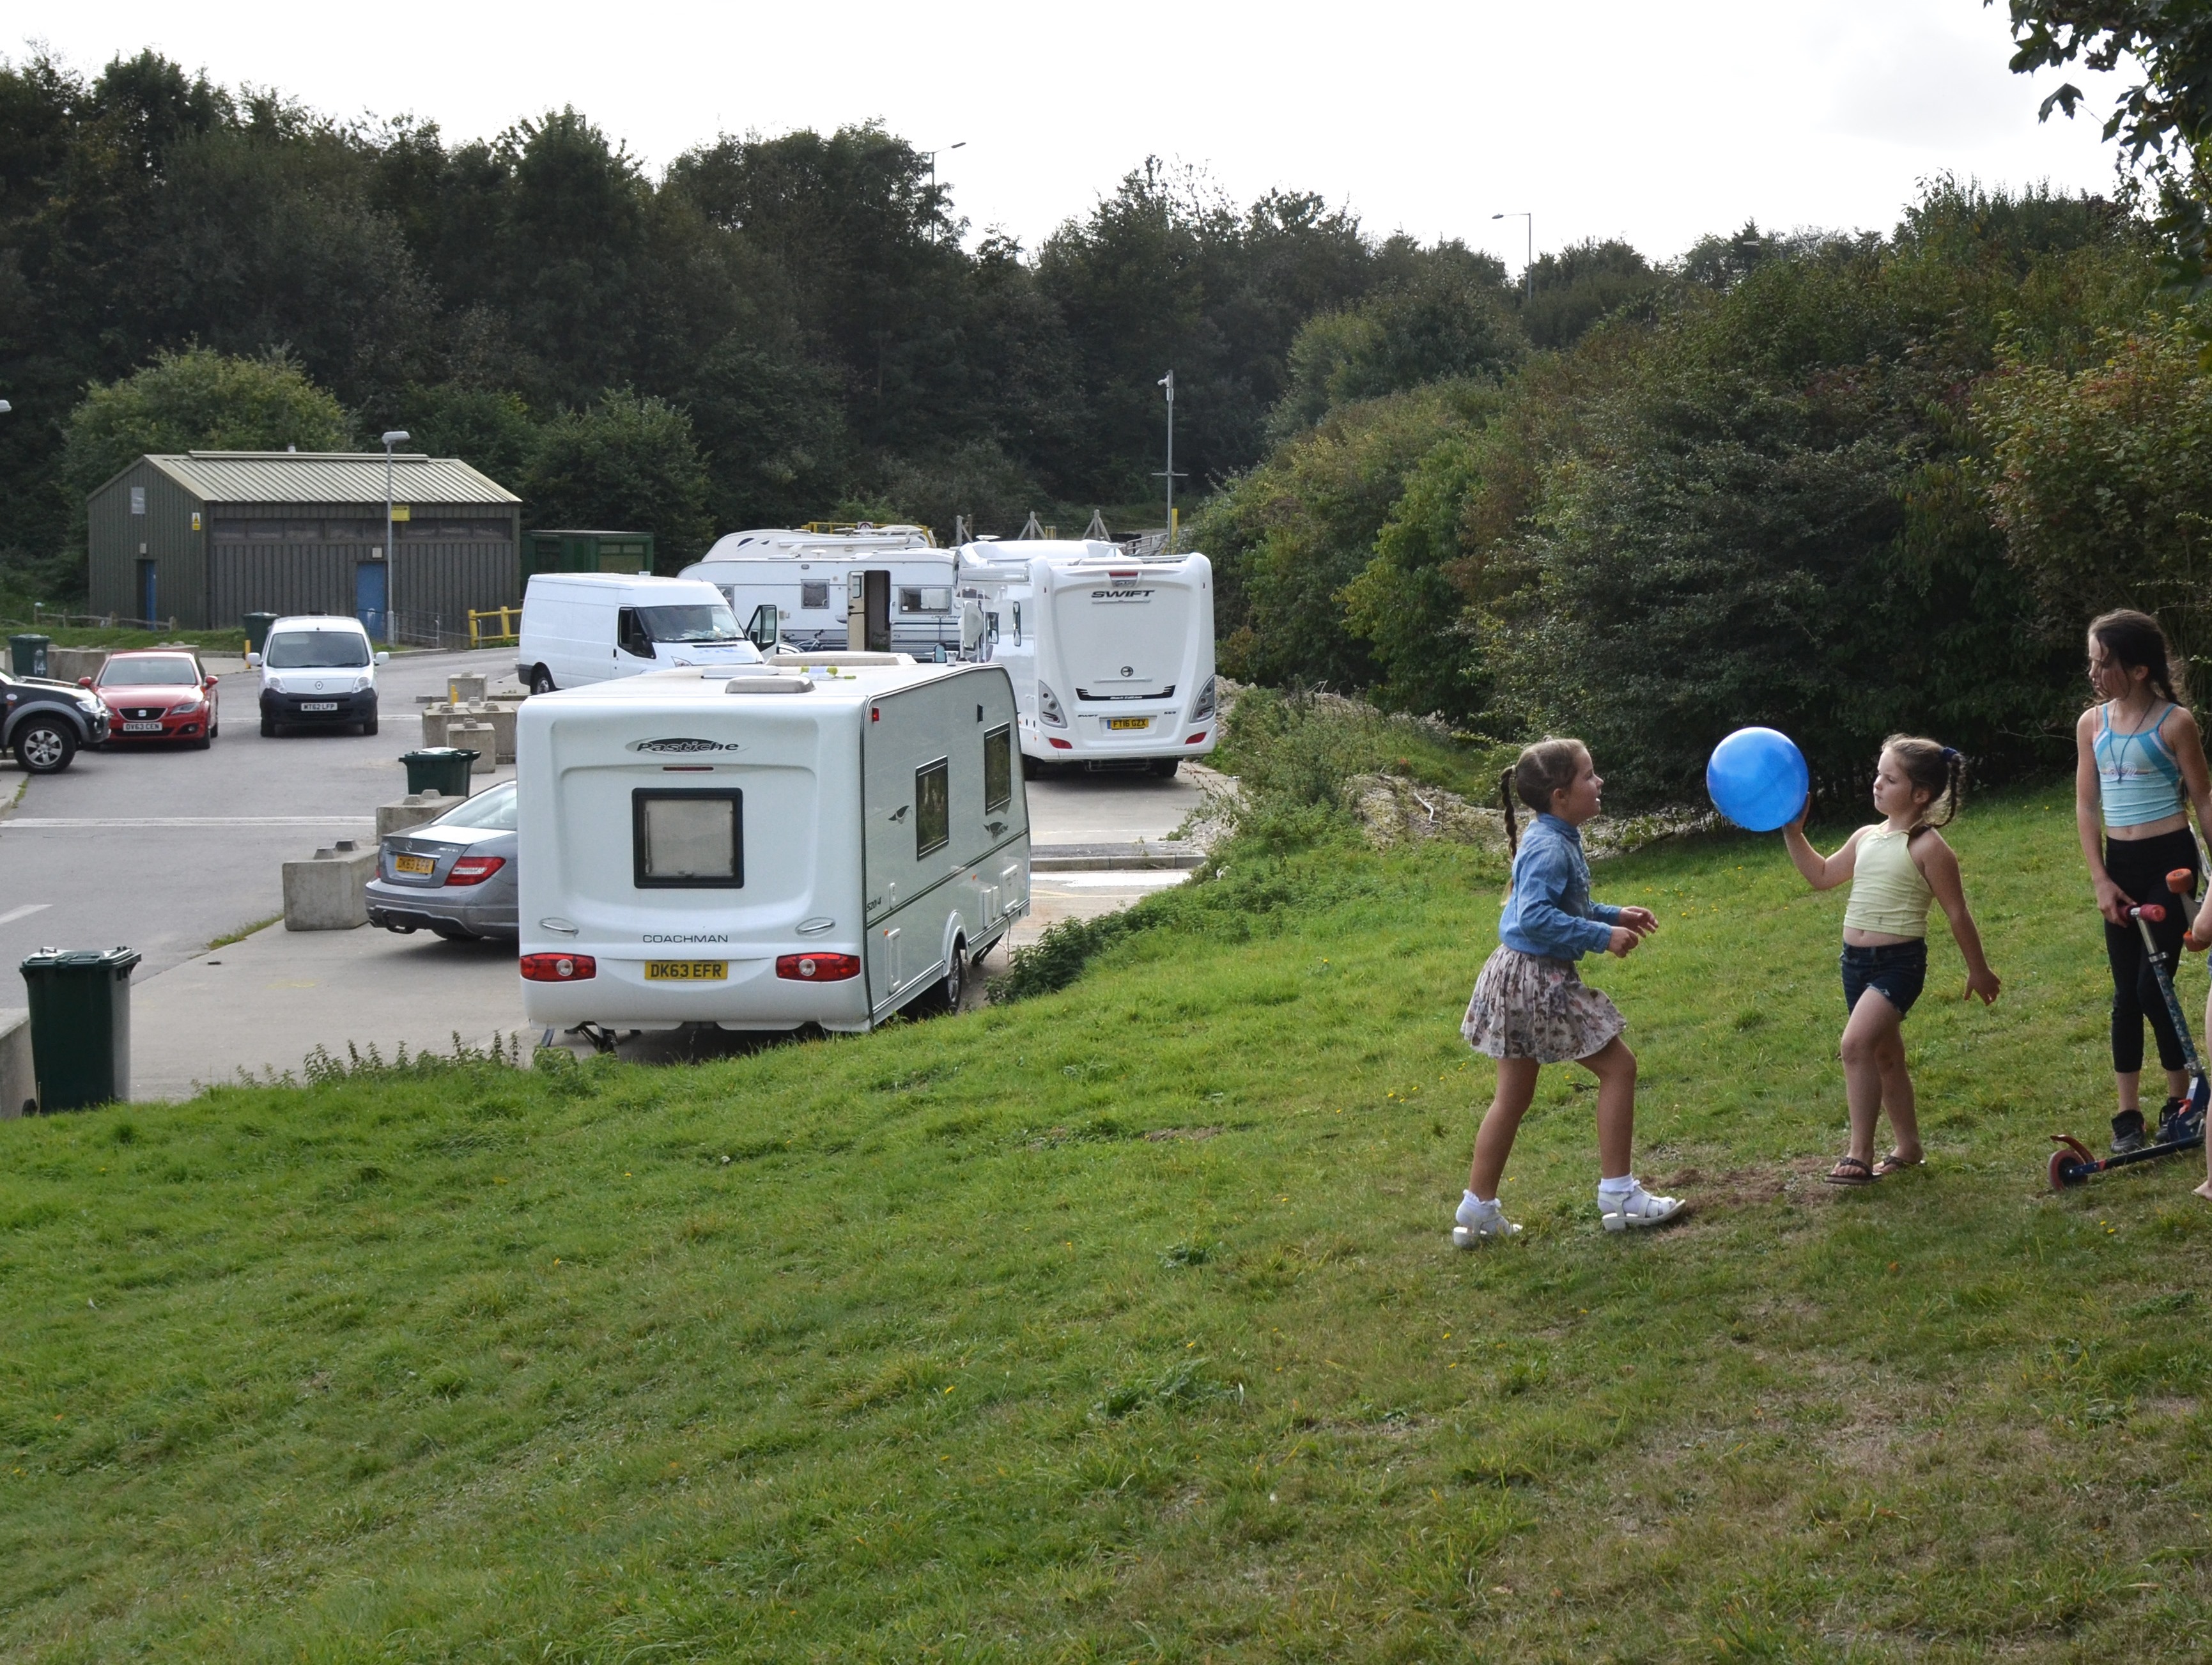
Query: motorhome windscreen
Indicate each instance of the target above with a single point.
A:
(932, 808)
(998, 769)
(702, 622)
(691, 840)
(316, 650)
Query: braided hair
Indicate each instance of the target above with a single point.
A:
(1543, 768)
(1933, 768)
(2136, 641)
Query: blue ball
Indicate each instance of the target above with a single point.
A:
(1758, 779)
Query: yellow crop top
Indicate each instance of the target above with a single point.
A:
(1889, 893)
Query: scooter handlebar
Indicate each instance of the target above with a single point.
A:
(2153, 911)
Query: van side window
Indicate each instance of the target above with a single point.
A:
(630, 634)
(933, 807)
(688, 840)
(998, 769)
(814, 597)
(1017, 624)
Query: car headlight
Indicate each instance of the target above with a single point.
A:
(362, 684)
(1202, 707)
(184, 708)
(1049, 706)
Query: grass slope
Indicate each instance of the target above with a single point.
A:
(1121, 1323)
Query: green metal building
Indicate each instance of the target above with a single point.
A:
(207, 537)
(565, 551)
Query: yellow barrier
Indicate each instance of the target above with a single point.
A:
(478, 637)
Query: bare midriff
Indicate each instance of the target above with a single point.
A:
(1855, 938)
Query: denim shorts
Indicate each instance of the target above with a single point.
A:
(1897, 968)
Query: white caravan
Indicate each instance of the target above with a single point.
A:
(883, 588)
(583, 628)
(1111, 654)
(822, 841)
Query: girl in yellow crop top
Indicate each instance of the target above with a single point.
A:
(1895, 869)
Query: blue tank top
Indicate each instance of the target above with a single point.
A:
(2138, 778)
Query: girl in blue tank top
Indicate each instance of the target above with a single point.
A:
(2139, 765)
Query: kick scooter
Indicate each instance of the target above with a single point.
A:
(2073, 1163)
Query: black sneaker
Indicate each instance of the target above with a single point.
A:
(2169, 1121)
(2127, 1133)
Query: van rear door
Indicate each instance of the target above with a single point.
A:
(1122, 634)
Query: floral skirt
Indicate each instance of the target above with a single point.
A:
(1526, 1006)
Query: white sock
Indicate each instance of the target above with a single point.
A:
(1472, 1210)
(1614, 1191)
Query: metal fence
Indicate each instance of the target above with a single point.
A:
(51, 618)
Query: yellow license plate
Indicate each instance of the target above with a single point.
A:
(414, 864)
(686, 971)
(1128, 722)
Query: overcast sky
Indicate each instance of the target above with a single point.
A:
(1656, 121)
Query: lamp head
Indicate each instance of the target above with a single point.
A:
(5, 407)
(396, 436)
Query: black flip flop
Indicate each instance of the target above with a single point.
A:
(1836, 1176)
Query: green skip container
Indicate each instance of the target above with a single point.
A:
(439, 769)
(80, 1025)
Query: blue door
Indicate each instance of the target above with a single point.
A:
(149, 591)
(368, 598)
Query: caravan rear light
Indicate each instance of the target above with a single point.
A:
(817, 968)
(1065, 745)
(558, 968)
(1195, 739)
(474, 869)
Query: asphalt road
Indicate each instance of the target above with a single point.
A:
(166, 849)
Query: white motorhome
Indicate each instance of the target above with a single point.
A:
(825, 841)
(888, 589)
(578, 629)
(1111, 654)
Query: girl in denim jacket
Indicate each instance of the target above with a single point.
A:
(1530, 1008)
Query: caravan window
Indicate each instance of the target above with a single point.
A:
(926, 601)
(815, 598)
(932, 808)
(998, 769)
(688, 840)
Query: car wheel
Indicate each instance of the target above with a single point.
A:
(215, 730)
(1166, 767)
(268, 728)
(369, 727)
(541, 681)
(44, 747)
(203, 742)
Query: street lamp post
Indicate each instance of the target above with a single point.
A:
(1529, 266)
(932, 156)
(393, 436)
(1168, 382)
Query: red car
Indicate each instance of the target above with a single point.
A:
(156, 694)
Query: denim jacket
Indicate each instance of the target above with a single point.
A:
(1549, 911)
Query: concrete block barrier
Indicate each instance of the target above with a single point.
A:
(68, 664)
(435, 721)
(412, 811)
(480, 738)
(19, 1079)
(329, 891)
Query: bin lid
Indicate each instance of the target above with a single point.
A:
(119, 958)
(435, 754)
(30, 636)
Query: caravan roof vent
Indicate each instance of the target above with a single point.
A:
(768, 685)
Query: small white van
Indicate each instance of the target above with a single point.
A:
(822, 842)
(886, 589)
(1111, 654)
(318, 672)
(578, 629)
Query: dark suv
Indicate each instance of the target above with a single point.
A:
(45, 724)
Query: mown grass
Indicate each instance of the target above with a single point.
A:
(1121, 1323)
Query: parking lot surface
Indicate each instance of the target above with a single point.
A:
(170, 850)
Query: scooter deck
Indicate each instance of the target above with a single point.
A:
(2075, 1163)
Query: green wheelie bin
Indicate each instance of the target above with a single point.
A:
(26, 654)
(80, 1025)
(439, 769)
(257, 630)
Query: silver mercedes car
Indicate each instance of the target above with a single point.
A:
(455, 875)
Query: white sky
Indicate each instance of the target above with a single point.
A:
(1656, 122)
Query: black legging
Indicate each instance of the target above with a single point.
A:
(2139, 866)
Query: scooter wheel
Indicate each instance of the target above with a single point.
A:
(2065, 1170)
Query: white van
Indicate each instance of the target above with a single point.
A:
(1111, 654)
(583, 628)
(824, 841)
(891, 581)
(318, 671)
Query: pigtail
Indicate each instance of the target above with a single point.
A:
(1505, 803)
(1954, 785)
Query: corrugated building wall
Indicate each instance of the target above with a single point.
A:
(143, 515)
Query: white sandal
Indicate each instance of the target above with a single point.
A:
(1641, 1209)
(1495, 1228)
